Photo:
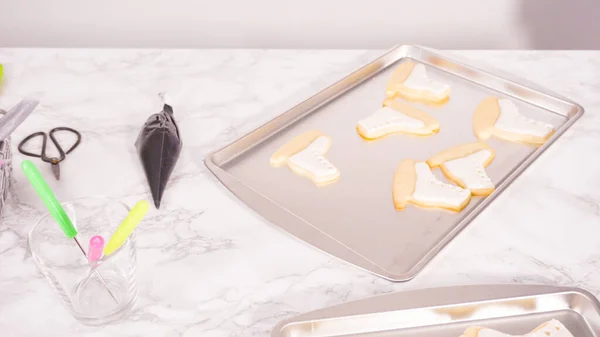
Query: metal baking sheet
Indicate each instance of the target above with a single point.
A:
(354, 219)
(448, 312)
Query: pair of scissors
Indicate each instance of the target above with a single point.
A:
(54, 161)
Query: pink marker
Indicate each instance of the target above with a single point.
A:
(95, 249)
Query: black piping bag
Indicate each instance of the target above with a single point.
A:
(158, 146)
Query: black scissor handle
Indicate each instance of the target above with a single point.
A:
(30, 137)
(60, 150)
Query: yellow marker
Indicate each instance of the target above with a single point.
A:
(127, 226)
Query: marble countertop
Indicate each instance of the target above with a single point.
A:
(209, 266)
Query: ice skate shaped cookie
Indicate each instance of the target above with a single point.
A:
(465, 165)
(397, 117)
(415, 183)
(501, 118)
(410, 81)
(552, 328)
(305, 155)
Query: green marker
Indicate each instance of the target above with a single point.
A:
(55, 208)
(127, 226)
(1, 73)
(45, 193)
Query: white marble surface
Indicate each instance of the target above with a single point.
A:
(208, 266)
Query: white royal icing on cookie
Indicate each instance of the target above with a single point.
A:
(491, 333)
(387, 120)
(312, 159)
(470, 170)
(430, 190)
(552, 328)
(418, 80)
(511, 120)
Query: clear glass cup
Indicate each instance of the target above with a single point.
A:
(94, 293)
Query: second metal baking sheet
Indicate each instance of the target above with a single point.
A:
(444, 312)
(354, 218)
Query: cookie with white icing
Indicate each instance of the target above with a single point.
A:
(501, 118)
(415, 183)
(552, 328)
(305, 155)
(465, 165)
(397, 117)
(410, 81)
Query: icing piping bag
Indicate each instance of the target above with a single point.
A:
(16, 115)
(56, 210)
(127, 226)
(158, 146)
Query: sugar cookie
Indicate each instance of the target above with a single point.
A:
(465, 165)
(501, 118)
(394, 117)
(305, 155)
(410, 80)
(552, 328)
(415, 183)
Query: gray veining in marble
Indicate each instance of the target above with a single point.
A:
(208, 266)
